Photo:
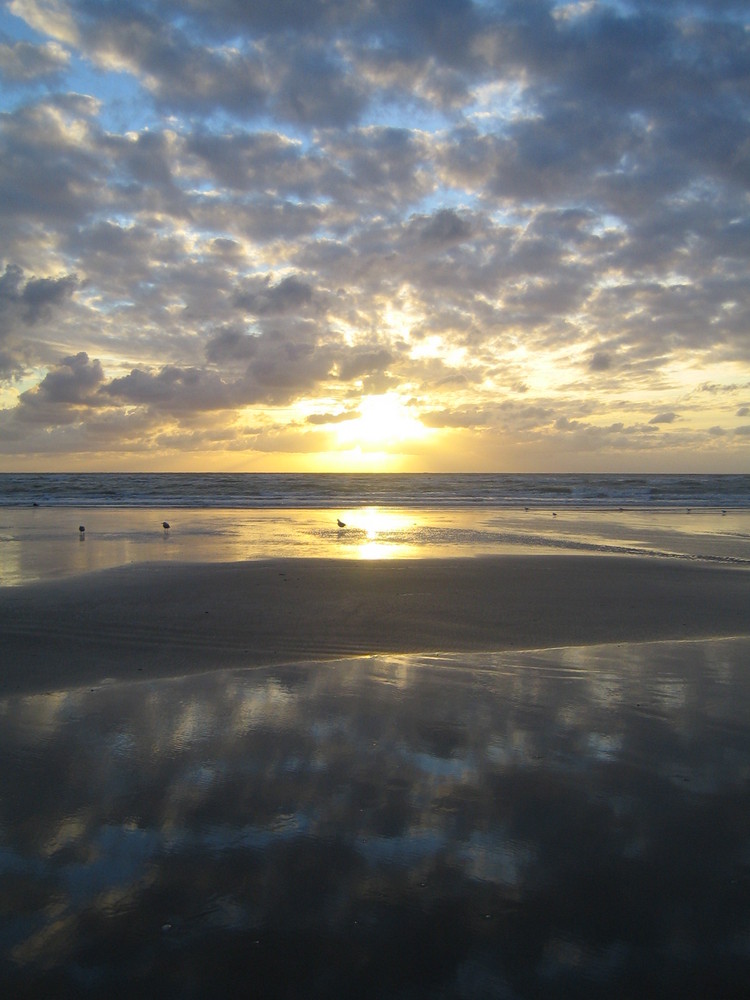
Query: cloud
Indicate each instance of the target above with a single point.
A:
(600, 361)
(291, 294)
(528, 219)
(181, 73)
(444, 227)
(172, 389)
(24, 62)
(332, 418)
(73, 381)
(313, 88)
(231, 345)
(66, 390)
(51, 165)
(470, 417)
(364, 362)
(24, 304)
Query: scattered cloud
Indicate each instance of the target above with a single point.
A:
(526, 223)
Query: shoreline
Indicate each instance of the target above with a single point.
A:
(45, 544)
(154, 620)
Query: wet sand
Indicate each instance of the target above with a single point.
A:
(150, 621)
(248, 800)
(561, 823)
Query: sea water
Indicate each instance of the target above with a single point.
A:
(341, 490)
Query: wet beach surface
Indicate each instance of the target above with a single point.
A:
(43, 544)
(564, 823)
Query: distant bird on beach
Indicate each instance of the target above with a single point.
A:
(341, 524)
(165, 525)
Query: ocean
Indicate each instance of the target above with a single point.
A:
(341, 490)
(219, 517)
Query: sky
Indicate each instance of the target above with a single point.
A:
(375, 235)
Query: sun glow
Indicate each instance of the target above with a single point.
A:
(384, 423)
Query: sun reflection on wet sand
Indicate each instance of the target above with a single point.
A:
(376, 533)
(44, 543)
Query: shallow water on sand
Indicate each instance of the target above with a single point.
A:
(45, 543)
(563, 823)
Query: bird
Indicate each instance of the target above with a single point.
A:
(165, 525)
(341, 524)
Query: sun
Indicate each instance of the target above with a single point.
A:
(384, 423)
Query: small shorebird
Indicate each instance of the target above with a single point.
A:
(341, 524)
(165, 525)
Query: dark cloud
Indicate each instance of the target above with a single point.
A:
(231, 345)
(290, 295)
(287, 366)
(332, 418)
(600, 362)
(172, 389)
(178, 68)
(24, 304)
(364, 362)
(49, 170)
(256, 161)
(67, 389)
(73, 381)
(312, 88)
(39, 293)
(444, 227)
(24, 62)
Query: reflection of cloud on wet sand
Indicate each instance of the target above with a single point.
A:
(517, 819)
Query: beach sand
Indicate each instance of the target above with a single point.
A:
(149, 621)
(251, 804)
